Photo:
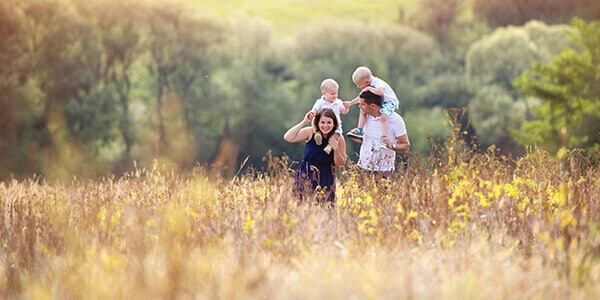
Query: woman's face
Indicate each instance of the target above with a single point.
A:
(326, 125)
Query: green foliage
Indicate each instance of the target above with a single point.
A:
(425, 126)
(569, 88)
(445, 90)
(494, 112)
(181, 44)
(502, 56)
(287, 17)
(103, 83)
(494, 62)
(120, 25)
(439, 17)
(517, 12)
(20, 105)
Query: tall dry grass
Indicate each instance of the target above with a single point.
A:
(457, 224)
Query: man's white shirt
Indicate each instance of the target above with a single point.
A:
(372, 156)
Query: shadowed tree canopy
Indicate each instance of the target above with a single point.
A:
(518, 12)
(569, 88)
(90, 87)
(494, 62)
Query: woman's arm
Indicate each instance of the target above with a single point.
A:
(297, 133)
(338, 144)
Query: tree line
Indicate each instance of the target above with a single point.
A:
(94, 87)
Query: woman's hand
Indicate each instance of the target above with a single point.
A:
(298, 133)
(338, 144)
(334, 142)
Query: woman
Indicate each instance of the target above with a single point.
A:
(324, 151)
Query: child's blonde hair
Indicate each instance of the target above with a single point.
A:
(329, 84)
(360, 74)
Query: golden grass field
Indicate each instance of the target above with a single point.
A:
(455, 225)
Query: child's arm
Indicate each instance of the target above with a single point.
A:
(345, 108)
(347, 104)
(377, 91)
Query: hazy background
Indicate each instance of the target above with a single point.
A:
(97, 87)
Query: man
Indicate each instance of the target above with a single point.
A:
(373, 157)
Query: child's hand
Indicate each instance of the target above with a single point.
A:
(386, 140)
(309, 116)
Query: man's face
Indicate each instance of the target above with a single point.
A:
(369, 109)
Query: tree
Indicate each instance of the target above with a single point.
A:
(494, 61)
(19, 96)
(438, 17)
(569, 88)
(119, 24)
(254, 100)
(518, 12)
(181, 44)
(495, 112)
(59, 65)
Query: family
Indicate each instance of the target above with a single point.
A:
(381, 132)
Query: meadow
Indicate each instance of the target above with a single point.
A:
(289, 16)
(457, 224)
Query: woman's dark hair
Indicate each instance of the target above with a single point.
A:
(326, 112)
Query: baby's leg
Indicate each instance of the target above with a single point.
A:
(387, 109)
(362, 118)
(384, 125)
(357, 132)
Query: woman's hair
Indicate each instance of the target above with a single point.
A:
(326, 112)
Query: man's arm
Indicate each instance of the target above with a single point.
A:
(401, 145)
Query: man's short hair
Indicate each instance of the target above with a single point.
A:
(371, 98)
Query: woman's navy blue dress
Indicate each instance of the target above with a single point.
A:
(316, 170)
